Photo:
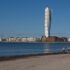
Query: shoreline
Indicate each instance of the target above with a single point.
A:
(35, 42)
(5, 58)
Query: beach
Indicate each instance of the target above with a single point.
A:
(42, 62)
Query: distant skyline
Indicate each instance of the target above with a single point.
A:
(26, 17)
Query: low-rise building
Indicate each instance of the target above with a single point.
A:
(0, 39)
(65, 39)
(56, 39)
(11, 39)
(43, 39)
(53, 39)
(18, 39)
(31, 39)
(24, 39)
(68, 39)
(4, 39)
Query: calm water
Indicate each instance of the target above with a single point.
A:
(11, 49)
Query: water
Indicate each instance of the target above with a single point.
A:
(12, 49)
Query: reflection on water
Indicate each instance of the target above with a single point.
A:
(11, 49)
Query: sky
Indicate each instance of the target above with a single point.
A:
(26, 17)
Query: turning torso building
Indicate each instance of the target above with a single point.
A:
(47, 21)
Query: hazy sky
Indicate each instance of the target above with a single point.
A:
(26, 17)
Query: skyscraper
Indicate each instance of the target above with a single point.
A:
(47, 21)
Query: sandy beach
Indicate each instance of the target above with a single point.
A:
(44, 62)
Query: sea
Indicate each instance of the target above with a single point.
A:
(16, 49)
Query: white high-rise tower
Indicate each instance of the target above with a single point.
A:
(47, 21)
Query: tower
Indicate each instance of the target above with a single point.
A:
(47, 21)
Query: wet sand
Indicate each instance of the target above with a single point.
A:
(43, 62)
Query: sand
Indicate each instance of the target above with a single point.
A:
(46, 62)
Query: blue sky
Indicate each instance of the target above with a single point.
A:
(26, 17)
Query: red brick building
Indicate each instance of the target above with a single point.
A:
(53, 39)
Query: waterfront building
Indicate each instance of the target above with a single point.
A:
(43, 39)
(11, 39)
(0, 39)
(4, 39)
(18, 39)
(68, 39)
(31, 39)
(65, 39)
(56, 39)
(24, 39)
